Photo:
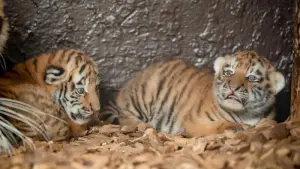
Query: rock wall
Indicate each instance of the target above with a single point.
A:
(124, 36)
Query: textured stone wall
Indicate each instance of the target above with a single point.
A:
(124, 36)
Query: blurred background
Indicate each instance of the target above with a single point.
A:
(125, 36)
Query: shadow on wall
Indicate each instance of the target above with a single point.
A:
(127, 35)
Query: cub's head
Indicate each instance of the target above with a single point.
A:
(246, 82)
(77, 84)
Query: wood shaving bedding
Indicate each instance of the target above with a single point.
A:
(267, 146)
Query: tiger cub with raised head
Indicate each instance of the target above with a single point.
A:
(175, 97)
(63, 84)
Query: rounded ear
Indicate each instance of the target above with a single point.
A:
(218, 64)
(278, 81)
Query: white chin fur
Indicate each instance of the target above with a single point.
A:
(81, 121)
(232, 105)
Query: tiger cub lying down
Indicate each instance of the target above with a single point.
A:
(62, 84)
(174, 96)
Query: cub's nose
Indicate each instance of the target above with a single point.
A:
(88, 111)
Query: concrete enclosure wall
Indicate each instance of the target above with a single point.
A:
(124, 36)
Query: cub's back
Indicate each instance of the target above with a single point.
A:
(164, 93)
(29, 72)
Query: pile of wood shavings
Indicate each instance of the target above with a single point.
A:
(269, 145)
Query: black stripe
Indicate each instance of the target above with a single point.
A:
(70, 79)
(27, 71)
(73, 116)
(135, 107)
(52, 56)
(143, 94)
(167, 72)
(115, 121)
(69, 56)
(232, 117)
(215, 113)
(199, 107)
(160, 85)
(75, 104)
(73, 101)
(65, 90)
(72, 87)
(159, 123)
(220, 114)
(35, 64)
(76, 60)
(171, 110)
(66, 99)
(174, 119)
(82, 68)
(188, 83)
(80, 82)
(8, 94)
(59, 96)
(73, 97)
(106, 116)
(145, 117)
(165, 98)
(62, 56)
(210, 118)
(151, 104)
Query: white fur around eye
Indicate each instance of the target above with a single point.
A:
(87, 85)
(218, 64)
(278, 81)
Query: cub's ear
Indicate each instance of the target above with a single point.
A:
(54, 75)
(218, 64)
(277, 80)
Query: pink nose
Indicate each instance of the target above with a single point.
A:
(88, 111)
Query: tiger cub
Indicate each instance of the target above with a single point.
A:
(63, 84)
(176, 97)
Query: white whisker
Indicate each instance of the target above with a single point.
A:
(8, 134)
(12, 130)
(23, 119)
(26, 108)
(5, 145)
(7, 130)
(2, 62)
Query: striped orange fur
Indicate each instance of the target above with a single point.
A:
(63, 84)
(174, 96)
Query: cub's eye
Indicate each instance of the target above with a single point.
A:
(252, 78)
(80, 91)
(227, 72)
